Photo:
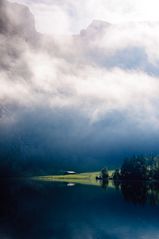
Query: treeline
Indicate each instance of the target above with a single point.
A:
(138, 168)
(135, 168)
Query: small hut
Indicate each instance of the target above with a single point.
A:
(69, 172)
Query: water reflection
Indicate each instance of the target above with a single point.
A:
(104, 183)
(70, 184)
(141, 193)
(38, 210)
(136, 192)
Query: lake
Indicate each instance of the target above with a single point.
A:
(48, 210)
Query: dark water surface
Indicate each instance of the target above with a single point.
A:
(47, 210)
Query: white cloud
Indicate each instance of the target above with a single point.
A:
(67, 72)
(103, 81)
(66, 16)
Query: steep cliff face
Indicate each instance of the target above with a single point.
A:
(17, 20)
(96, 28)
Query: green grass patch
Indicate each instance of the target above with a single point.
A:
(88, 178)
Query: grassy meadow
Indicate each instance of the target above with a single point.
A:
(88, 178)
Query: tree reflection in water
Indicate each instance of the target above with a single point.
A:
(104, 183)
(139, 192)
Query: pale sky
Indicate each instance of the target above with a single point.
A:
(70, 16)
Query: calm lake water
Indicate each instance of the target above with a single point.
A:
(47, 210)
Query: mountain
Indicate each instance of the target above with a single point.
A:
(17, 20)
(97, 27)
